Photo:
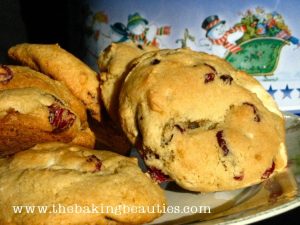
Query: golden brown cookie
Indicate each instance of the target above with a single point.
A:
(113, 65)
(199, 121)
(113, 62)
(36, 109)
(61, 65)
(100, 187)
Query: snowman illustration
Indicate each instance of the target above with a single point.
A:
(222, 39)
(142, 33)
(98, 37)
(119, 33)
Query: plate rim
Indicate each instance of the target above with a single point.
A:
(265, 214)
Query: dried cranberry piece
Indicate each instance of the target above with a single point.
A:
(222, 143)
(227, 79)
(239, 177)
(97, 161)
(60, 118)
(5, 74)
(155, 62)
(209, 77)
(157, 175)
(268, 171)
(255, 111)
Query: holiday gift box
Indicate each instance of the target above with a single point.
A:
(259, 37)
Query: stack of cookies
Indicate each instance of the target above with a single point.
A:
(35, 109)
(45, 146)
(194, 119)
(83, 84)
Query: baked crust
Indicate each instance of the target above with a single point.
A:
(113, 65)
(61, 65)
(201, 122)
(36, 109)
(67, 175)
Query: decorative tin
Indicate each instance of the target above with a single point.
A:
(259, 37)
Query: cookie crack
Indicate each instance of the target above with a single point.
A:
(171, 128)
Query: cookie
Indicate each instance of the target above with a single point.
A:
(109, 135)
(113, 63)
(76, 186)
(36, 109)
(113, 66)
(200, 122)
(61, 65)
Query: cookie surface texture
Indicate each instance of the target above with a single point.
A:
(201, 122)
(61, 65)
(113, 65)
(36, 109)
(60, 176)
